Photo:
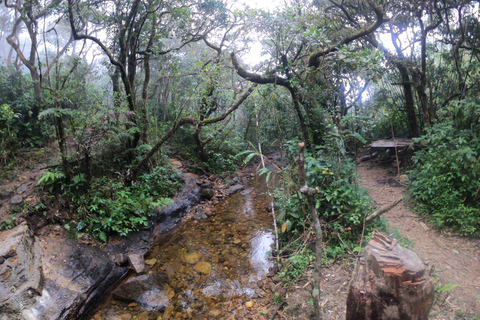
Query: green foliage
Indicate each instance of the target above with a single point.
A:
(16, 127)
(296, 265)
(445, 179)
(104, 206)
(341, 204)
(112, 208)
(8, 223)
(8, 132)
(51, 180)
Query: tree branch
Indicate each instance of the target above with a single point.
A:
(380, 15)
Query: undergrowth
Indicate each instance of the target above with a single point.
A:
(103, 205)
(445, 179)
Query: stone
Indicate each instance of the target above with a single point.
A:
(74, 278)
(246, 191)
(151, 262)
(214, 313)
(150, 291)
(20, 269)
(142, 316)
(203, 267)
(192, 257)
(137, 263)
(167, 313)
(16, 199)
(199, 214)
(249, 304)
(235, 188)
(126, 316)
(207, 193)
(22, 189)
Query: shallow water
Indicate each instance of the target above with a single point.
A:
(212, 267)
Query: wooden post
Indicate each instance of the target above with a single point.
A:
(392, 284)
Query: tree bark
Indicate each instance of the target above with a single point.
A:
(392, 285)
(409, 103)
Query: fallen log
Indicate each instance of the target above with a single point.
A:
(392, 284)
(368, 157)
(381, 211)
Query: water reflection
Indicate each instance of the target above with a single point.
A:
(261, 246)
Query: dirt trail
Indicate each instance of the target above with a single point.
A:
(455, 260)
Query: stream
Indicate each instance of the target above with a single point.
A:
(211, 269)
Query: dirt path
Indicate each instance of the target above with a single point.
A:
(455, 260)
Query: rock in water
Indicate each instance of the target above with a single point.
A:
(137, 262)
(150, 291)
(203, 267)
(235, 188)
(192, 257)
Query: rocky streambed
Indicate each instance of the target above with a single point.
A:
(214, 265)
(216, 268)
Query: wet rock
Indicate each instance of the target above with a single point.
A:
(246, 191)
(207, 193)
(199, 214)
(75, 277)
(203, 267)
(20, 271)
(214, 313)
(235, 188)
(192, 257)
(142, 316)
(16, 199)
(137, 262)
(22, 189)
(151, 262)
(148, 291)
(167, 313)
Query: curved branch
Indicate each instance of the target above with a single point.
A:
(257, 78)
(314, 57)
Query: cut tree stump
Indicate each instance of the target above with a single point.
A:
(392, 284)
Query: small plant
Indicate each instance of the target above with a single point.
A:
(51, 180)
(8, 223)
(296, 265)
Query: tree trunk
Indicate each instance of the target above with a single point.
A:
(392, 285)
(409, 103)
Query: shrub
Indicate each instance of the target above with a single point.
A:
(445, 178)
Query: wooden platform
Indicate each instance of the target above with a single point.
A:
(399, 143)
